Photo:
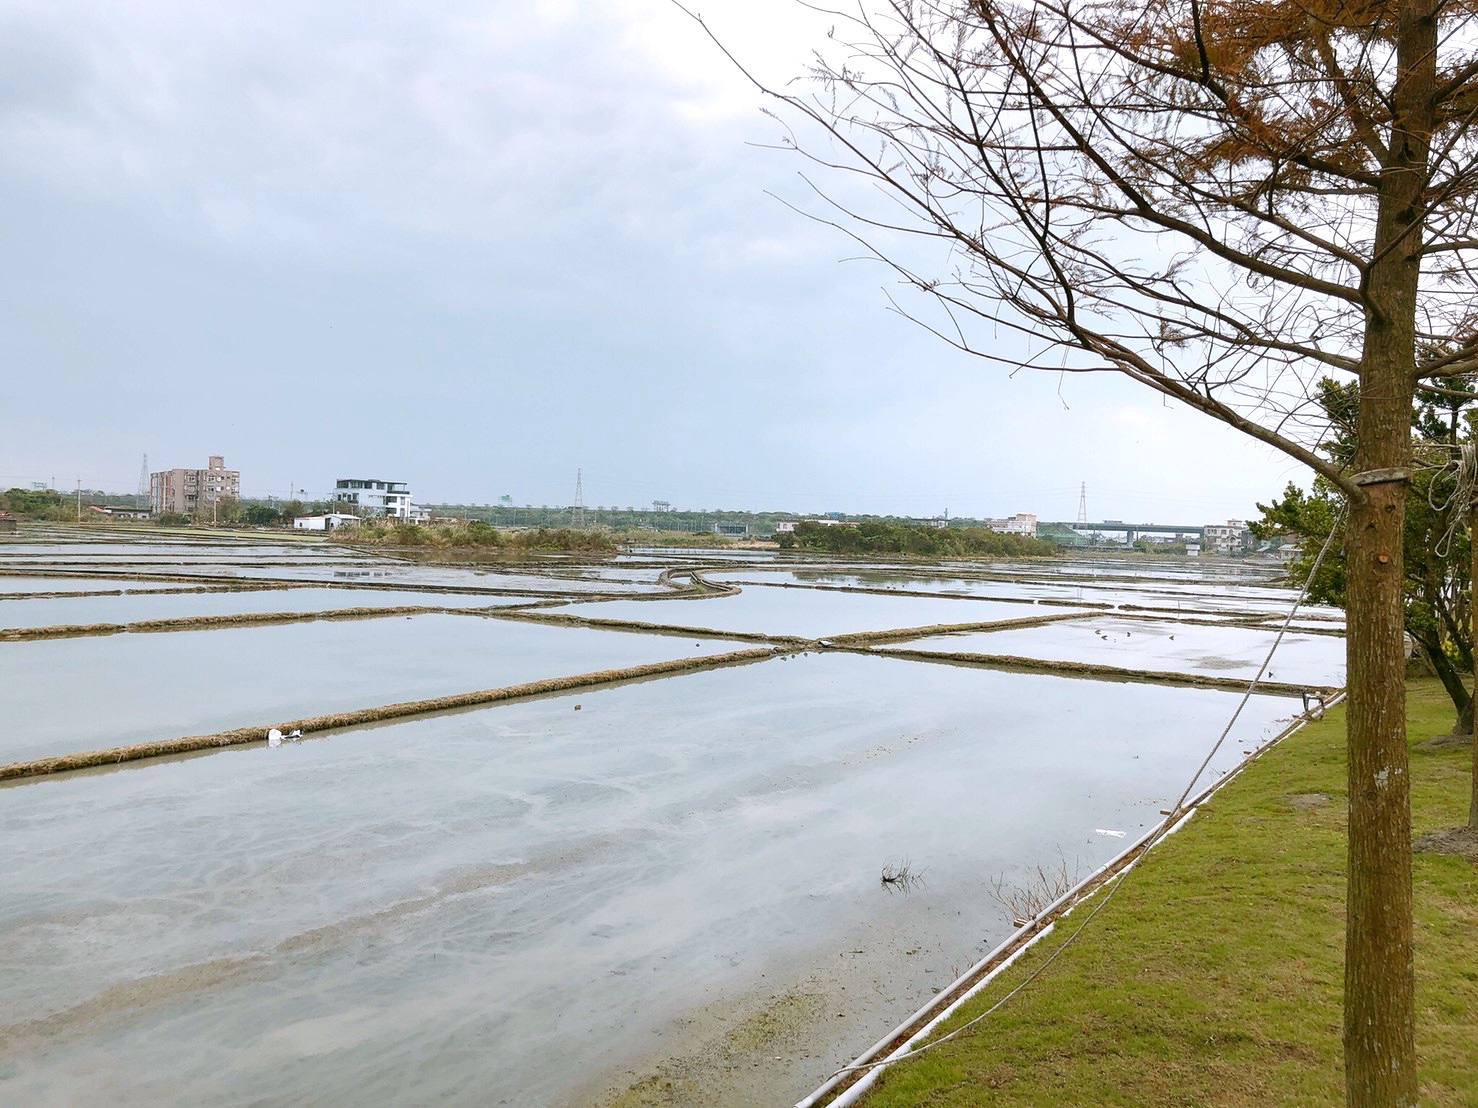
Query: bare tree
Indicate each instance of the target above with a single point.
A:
(1223, 200)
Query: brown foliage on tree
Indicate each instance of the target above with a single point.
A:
(1225, 201)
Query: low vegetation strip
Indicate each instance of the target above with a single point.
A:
(163, 563)
(205, 623)
(1273, 621)
(883, 536)
(903, 634)
(1215, 974)
(877, 590)
(1207, 617)
(1228, 618)
(208, 584)
(476, 535)
(1095, 669)
(568, 620)
(313, 725)
(106, 573)
(62, 595)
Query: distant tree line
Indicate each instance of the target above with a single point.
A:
(475, 535)
(880, 536)
(37, 504)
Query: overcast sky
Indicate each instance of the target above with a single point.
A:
(477, 246)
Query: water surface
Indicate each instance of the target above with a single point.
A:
(499, 906)
(810, 613)
(55, 611)
(1159, 645)
(69, 695)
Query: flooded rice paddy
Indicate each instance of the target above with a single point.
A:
(84, 610)
(160, 685)
(23, 586)
(1172, 595)
(812, 613)
(555, 898)
(1159, 645)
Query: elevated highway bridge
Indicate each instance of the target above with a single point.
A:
(1131, 531)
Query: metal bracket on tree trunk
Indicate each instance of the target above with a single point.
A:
(1382, 476)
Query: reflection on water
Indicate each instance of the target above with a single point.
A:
(507, 904)
(135, 607)
(18, 585)
(1158, 645)
(217, 679)
(498, 900)
(812, 614)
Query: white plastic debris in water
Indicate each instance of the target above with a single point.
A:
(1106, 831)
(274, 737)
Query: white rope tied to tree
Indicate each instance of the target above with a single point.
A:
(1114, 883)
(1464, 469)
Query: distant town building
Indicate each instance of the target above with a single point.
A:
(788, 526)
(1233, 537)
(366, 497)
(330, 521)
(117, 512)
(1022, 523)
(192, 492)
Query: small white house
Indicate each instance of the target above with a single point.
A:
(329, 522)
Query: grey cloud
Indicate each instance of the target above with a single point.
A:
(472, 245)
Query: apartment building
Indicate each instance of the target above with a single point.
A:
(193, 492)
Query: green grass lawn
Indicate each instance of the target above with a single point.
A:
(1214, 975)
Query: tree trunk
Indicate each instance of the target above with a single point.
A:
(1451, 676)
(1473, 615)
(1380, 1054)
(1379, 1031)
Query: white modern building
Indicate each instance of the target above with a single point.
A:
(366, 497)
